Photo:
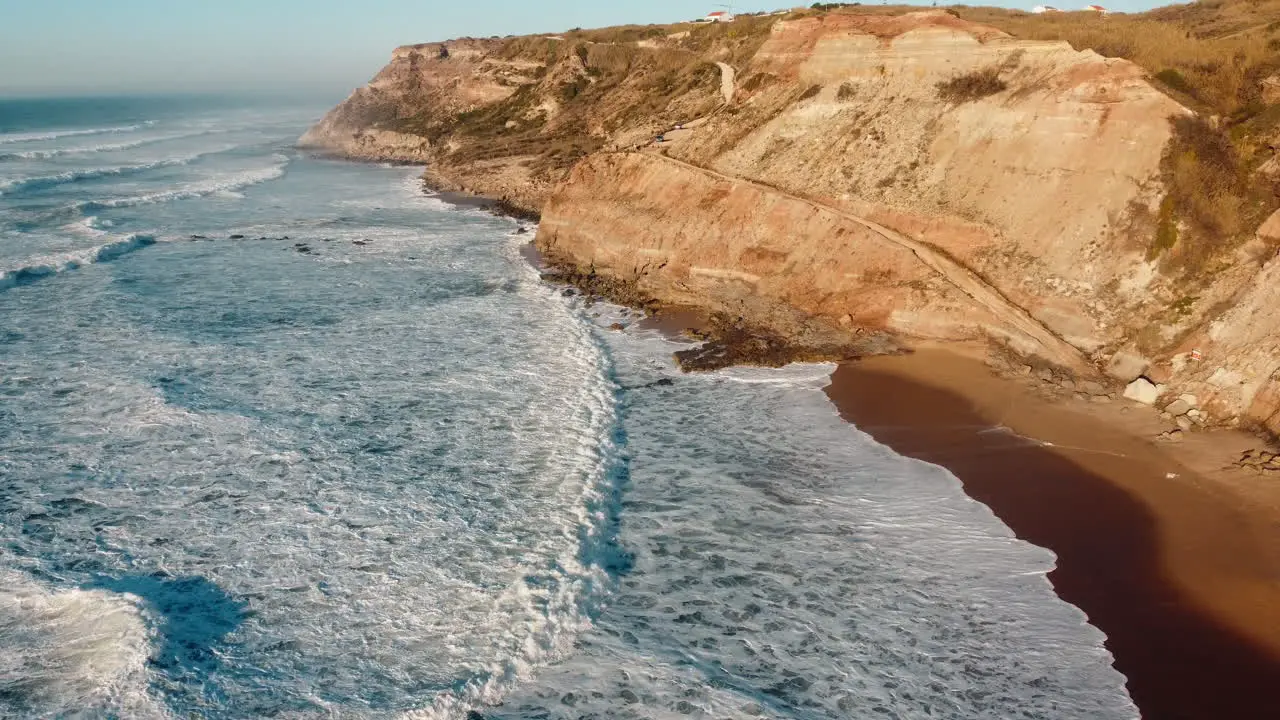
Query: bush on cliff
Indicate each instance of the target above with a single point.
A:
(971, 86)
(1210, 194)
(1213, 57)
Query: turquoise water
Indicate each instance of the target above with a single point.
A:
(284, 437)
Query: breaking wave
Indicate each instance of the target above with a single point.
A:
(54, 135)
(66, 653)
(231, 184)
(39, 268)
(14, 185)
(93, 149)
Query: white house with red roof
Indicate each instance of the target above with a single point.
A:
(719, 16)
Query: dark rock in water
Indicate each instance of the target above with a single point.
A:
(522, 230)
(733, 342)
(664, 382)
(327, 239)
(199, 237)
(237, 237)
(629, 697)
(619, 327)
(365, 241)
(569, 292)
(473, 715)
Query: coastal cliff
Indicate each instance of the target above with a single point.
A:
(838, 173)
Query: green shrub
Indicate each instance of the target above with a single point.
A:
(1174, 80)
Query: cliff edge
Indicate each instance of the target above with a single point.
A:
(845, 172)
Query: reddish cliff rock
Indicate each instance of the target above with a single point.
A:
(840, 172)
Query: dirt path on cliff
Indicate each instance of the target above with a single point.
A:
(1053, 348)
(727, 81)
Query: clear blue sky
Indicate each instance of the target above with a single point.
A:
(112, 46)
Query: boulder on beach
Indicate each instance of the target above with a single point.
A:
(1143, 391)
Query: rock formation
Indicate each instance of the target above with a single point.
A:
(826, 175)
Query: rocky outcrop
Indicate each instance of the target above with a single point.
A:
(1038, 186)
(1232, 363)
(692, 236)
(508, 118)
(841, 174)
(1033, 194)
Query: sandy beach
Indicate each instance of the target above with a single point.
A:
(1168, 550)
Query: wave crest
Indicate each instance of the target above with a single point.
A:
(62, 653)
(55, 134)
(14, 185)
(39, 268)
(194, 190)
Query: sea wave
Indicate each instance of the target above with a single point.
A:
(103, 148)
(62, 152)
(554, 605)
(15, 185)
(228, 184)
(38, 268)
(7, 139)
(65, 652)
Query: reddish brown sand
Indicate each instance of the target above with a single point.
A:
(1180, 573)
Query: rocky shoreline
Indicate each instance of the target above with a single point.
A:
(726, 340)
(789, 190)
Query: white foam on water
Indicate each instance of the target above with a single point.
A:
(18, 184)
(71, 652)
(50, 153)
(86, 150)
(787, 565)
(441, 566)
(392, 464)
(555, 605)
(10, 138)
(224, 184)
(41, 266)
(798, 375)
(91, 226)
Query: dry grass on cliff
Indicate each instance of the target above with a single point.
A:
(596, 88)
(1209, 54)
(1215, 73)
(1212, 56)
(971, 86)
(734, 43)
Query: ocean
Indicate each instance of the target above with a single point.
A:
(283, 436)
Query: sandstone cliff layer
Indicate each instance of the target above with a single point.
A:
(918, 174)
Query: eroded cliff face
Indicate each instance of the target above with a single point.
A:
(1038, 186)
(917, 174)
(509, 118)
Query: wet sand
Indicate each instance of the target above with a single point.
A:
(1182, 573)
